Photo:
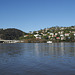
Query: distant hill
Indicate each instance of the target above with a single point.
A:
(11, 34)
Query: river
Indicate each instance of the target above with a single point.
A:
(37, 59)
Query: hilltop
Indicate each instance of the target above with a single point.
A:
(11, 34)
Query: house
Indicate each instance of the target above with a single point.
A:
(61, 35)
(62, 28)
(59, 32)
(44, 34)
(62, 32)
(62, 38)
(37, 36)
(74, 34)
(73, 28)
(51, 33)
(49, 36)
(37, 32)
(26, 35)
(66, 34)
(58, 38)
(56, 33)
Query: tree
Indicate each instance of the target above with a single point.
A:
(11, 34)
(71, 36)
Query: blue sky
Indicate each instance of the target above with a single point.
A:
(31, 15)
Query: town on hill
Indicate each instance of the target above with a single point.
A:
(54, 34)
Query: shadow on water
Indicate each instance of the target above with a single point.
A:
(37, 59)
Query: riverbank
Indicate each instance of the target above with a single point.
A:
(34, 41)
(44, 41)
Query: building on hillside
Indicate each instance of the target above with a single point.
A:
(66, 34)
(74, 34)
(52, 34)
(61, 35)
(56, 33)
(49, 36)
(37, 36)
(62, 28)
(37, 32)
(59, 32)
(26, 35)
(44, 34)
(62, 32)
(63, 38)
(58, 38)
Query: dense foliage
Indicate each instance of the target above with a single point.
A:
(11, 34)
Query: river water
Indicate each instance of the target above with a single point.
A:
(37, 59)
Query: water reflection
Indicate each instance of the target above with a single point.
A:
(37, 59)
(55, 49)
(36, 49)
(10, 49)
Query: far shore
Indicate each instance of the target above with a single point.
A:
(44, 41)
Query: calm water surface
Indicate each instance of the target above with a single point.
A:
(37, 59)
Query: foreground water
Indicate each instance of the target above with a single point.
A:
(37, 59)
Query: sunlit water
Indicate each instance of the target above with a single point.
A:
(37, 59)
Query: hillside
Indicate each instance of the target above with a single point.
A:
(11, 34)
(55, 34)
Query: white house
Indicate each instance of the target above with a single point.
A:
(51, 33)
(59, 32)
(74, 34)
(37, 36)
(44, 34)
(66, 34)
(62, 32)
(61, 35)
(56, 33)
(62, 28)
(62, 38)
(49, 36)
